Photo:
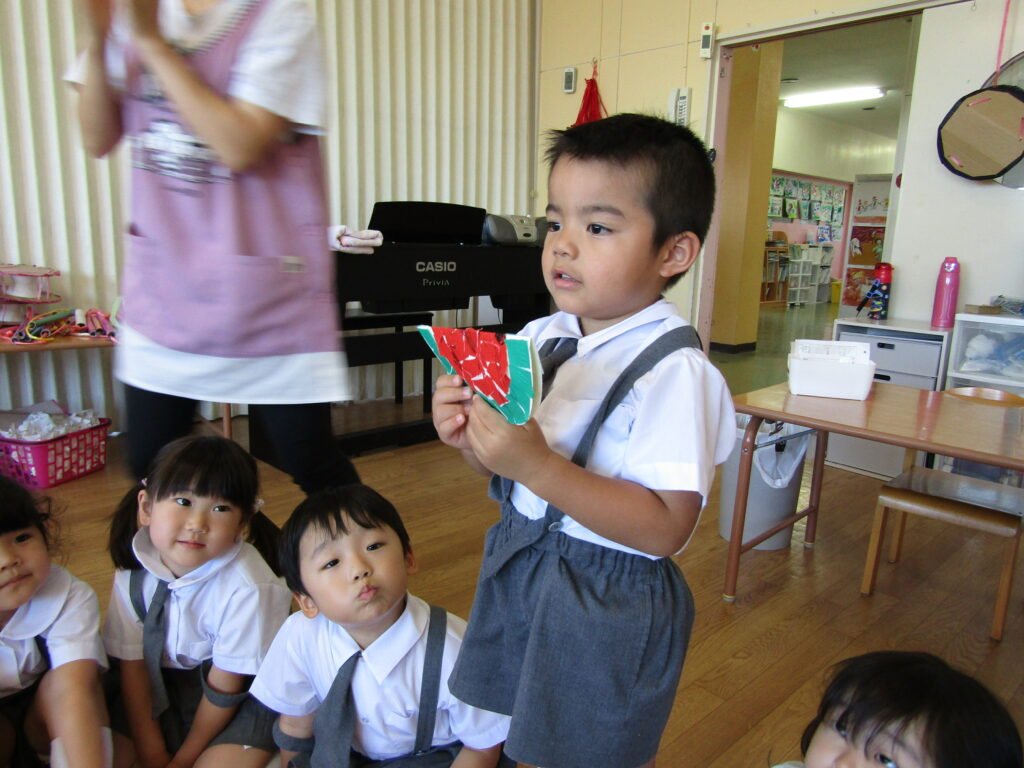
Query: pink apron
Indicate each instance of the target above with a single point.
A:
(219, 263)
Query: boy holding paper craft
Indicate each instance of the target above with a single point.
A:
(581, 618)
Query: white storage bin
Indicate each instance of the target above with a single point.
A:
(842, 369)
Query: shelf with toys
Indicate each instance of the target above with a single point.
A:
(31, 317)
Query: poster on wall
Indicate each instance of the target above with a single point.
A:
(778, 188)
(870, 204)
(857, 282)
(775, 206)
(866, 244)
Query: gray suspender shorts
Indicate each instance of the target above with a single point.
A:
(583, 645)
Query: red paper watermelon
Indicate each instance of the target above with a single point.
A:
(503, 368)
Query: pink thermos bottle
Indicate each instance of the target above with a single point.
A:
(946, 289)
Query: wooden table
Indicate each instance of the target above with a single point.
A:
(916, 419)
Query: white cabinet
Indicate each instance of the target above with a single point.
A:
(987, 351)
(906, 352)
(802, 276)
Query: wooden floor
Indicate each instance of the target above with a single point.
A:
(755, 668)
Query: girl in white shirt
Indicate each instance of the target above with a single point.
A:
(50, 649)
(193, 609)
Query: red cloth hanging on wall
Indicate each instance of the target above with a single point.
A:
(592, 108)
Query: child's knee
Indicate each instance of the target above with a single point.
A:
(59, 758)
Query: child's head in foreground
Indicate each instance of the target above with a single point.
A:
(634, 195)
(903, 709)
(27, 541)
(345, 554)
(193, 473)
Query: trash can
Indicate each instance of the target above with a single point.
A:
(836, 288)
(774, 483)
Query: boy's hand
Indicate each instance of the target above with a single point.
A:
(450, 408)
(515, 452)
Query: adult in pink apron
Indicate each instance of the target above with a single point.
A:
(228, 286)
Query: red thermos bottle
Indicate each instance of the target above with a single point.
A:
(878, 294)
(947, 287)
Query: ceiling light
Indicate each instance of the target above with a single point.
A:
(838, 96)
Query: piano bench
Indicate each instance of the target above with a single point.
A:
(396, 347)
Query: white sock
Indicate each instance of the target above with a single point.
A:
(60, 760)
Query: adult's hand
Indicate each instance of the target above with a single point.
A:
(348, 240)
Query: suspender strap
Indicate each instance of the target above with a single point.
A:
(431, 685)
(135, 579)
(654, 353)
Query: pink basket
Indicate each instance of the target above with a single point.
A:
(45, 463)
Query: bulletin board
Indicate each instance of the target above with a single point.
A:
(808, 208)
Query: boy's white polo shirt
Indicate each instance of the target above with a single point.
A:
(668, 434)
(227, 610)
(305, 658)
(66, 614)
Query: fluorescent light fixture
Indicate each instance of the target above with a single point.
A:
(837, 96)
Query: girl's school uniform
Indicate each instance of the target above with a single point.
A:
(386, 685)
(60, 624)
(225, 613)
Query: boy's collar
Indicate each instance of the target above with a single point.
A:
(565, 325)
(385, 653)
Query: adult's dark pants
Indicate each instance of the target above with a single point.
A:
(300, 436)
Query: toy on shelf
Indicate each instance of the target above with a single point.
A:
(21, 287)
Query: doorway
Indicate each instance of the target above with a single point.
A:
(826, 146)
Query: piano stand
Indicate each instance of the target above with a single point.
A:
(396, 347)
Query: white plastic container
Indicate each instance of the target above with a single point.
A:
(841, 369)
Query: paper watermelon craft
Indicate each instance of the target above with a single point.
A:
(502, 368)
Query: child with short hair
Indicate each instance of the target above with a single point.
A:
(193, 609)
(51, 654)
(359, 675)
(906, 709)
(581, 619)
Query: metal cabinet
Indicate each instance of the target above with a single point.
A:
(906, 352)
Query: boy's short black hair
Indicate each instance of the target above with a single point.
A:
(325, 510)
(961, 721)
(681, 178)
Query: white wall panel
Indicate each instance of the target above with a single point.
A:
(428, 100)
